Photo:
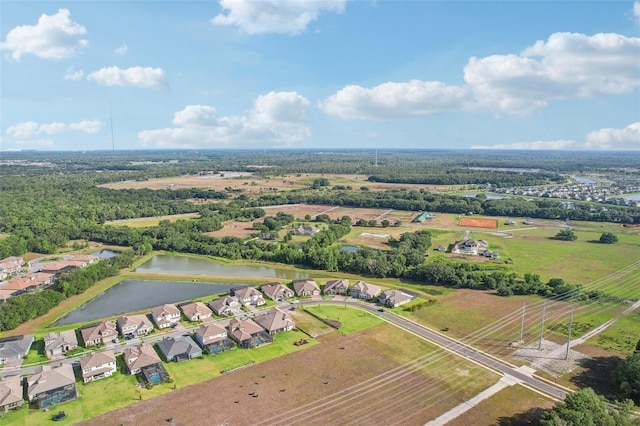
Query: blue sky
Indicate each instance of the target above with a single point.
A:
(320, 74)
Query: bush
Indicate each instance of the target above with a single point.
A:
(608, 238)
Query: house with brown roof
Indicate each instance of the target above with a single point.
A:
(196, 311)
(213, 338)
(14, 348)
(10, 393)
(248, 296)
(140, 356)
(86, 259)
(10, 266)
(179, 348)
(364, 290)
(28, 282)
(276, 291)
(166, 315)
(98, 334)
(305, 288)
(394, 298)
(51, 385)
(334, 287)
(57, 344)
(97, 365)
(247, 333)
(225, 306)
(134, 325)
(275, 321)
(61, 266)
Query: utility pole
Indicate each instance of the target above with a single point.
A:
(566, 355)
(524, 304)
(544, 310)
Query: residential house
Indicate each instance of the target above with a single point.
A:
(14, 348)
(97, 365)
(134, 325)
(86, 259)
(248, 296)
(28, 282)
(143, 359)
(470, 247)
(393, 298)
(60, 267)
(275, 321)
(51, 385)
(97, 334)
(305, 230)
(196, 311)
(10, 266)
(247, 333)
(225, 306)
(57, 344)
(334, 287)
(363, 290)
(276, 291)
(10, 393)
(179, 348)
(166, 315)
(213, 338)
(305, 288)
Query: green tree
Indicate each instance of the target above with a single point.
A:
(627, 377)
(608, 238)
(566, 235)
(586, 408)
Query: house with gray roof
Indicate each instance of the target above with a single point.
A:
(277, 291)
(364, 290)
(51, 385)
(10, 393)
(334, 287)
(14, 348)
(394, 298)
(275, 321)
(213, 338)
(305, 288)
(196, 311)
(58, 344)
(179, 348)
(97, 365)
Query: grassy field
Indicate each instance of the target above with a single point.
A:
(145, 222)
(621, 336)
(352, 320)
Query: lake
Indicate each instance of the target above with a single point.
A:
(489, 196)
(584, 180)
(192, 266)
(134, 295)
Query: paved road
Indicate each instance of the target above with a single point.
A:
(459, 348)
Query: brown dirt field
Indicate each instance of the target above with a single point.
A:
(317, 386)
(479, 223)
(233, 229)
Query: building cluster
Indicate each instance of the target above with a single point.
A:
(51, 385)
(21, 282)
(578, 191)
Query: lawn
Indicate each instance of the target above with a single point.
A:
(145, 222)
(622, 336)
(352, 320)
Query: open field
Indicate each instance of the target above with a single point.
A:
(515, 402)
(234, 228)
(351, 320)
(336, 382)
(479, 223)
(144, 222)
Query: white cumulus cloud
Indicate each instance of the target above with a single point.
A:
(274, 16)
(395, 100)
(29, 129)
(72, 74)
(626, 138)
(566, 66)
(53, 37)
(143, 77)
(276, 119)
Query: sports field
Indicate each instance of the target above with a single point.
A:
(479, 223)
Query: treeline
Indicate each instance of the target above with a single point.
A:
(442, 203)
(498, 179)
(19, 309)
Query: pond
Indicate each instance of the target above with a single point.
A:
(489, 196)
(584, 180)
(193, 266)
(350, 249)
(105, 254)
(134, 295)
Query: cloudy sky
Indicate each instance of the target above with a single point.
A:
(320, 74)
